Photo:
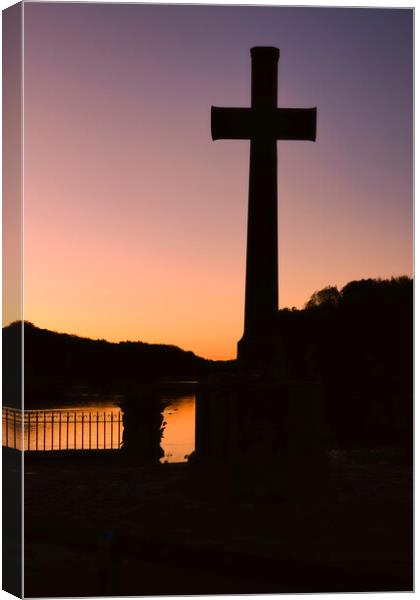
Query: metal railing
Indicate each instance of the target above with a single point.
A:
(43, 430)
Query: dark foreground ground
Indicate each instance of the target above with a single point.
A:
(94, 526)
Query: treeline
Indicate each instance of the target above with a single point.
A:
(56, 362)
(359, 342)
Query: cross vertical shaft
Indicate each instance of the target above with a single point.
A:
(261, 288)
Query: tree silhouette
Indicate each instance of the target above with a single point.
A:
(328, 296)
(358, 341)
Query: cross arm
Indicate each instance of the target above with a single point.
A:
(277, 123)
(295, 124)
(231, 123)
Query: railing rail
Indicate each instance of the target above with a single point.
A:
(46, 430)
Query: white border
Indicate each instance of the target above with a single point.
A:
(321, 3)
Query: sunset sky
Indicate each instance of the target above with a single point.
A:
(135, 220)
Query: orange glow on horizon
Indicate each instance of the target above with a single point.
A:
(135, 220)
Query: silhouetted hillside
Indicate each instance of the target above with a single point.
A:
(54, 362)
(359, 342)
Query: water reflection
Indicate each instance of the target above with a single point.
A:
(153, 427)
(178, 438)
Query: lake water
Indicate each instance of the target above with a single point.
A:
(178, 439)
(97, 423)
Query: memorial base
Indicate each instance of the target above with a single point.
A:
(260, 438)
(261, 353)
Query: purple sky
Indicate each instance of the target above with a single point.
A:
(135, 221)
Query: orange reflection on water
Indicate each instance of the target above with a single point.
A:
(97, 427)
(178, 440)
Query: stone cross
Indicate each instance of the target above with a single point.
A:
(263, 124)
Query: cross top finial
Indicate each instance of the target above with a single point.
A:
(265, 52)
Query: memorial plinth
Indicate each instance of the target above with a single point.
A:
(260, 437)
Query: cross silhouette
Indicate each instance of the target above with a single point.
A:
(263, 124)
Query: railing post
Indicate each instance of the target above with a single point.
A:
(67, 431)
(29, 430)
(74, 420)
(119, 430)
(90, 430)
(45, 430)
(112, 431)
(7, 427)
(14, 429)
(52, 430)
(104, 430)
(59, 430)
(83, 424)
(36, 430)
(97, 430)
